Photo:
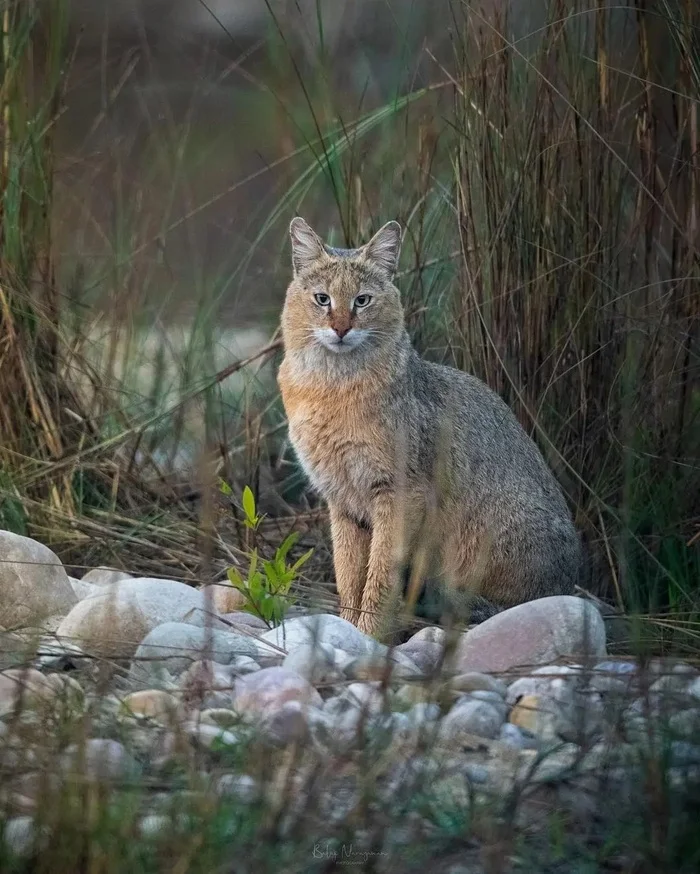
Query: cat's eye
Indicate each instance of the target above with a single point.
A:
(323, 300)
(362, 300)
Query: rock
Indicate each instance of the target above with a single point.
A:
(244, 665)
(100, 759)
(206, 736)
(27, 688)
(167, 748)
(287, 725)
(316, 663)
(583, 722)
(516, 737)
(345, 716)
(248, 620)
(404, 667)
(425, 654)
(613, 676)
(412, 693)
(152, 704)
(240, 786)
(684, 753)
(54, 656)
(474, 681)
(685, 724)
(536, 715)
(105, 576)
(476, 773)
(535, 633)
(224, 598)
(339, 705)
(175, 645)
(429, 634)
(33, 583)
(694, 689)
(365, 696)
(423, 714)
(471, 717)
(265, 691)
(118, 619)
(84, 590)
(492, 698)
(574, 718)
(673, 685)
(568, 707)
(342, 659)
(322, 628)
(155, 824)
(204, 677)
(549, 681)
(221, 716)
(19, 835)
(403, 726)
(377, 666)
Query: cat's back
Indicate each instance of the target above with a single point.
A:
(485, 434)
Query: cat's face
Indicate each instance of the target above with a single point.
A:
(342, 300)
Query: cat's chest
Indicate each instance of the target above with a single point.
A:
(340, 442)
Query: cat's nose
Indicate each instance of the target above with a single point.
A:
(341, 332)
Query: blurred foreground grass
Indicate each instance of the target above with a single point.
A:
(550, 195)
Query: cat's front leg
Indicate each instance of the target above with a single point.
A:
(382, 572)
(351, 548)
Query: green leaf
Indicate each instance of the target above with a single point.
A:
(256, 587)
(267, 608)
(249, 506)
(300, 561)
(253, 562)
(286, 545)
(234, 577)
(271, 571)
(225, 488)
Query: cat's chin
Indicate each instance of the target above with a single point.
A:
(339, 348)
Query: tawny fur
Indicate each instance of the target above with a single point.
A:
(421, 465)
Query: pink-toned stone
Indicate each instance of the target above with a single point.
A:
(532, 634)
(424, 653)
(265, 691)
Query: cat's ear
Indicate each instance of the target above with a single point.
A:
(306, 245)
(383, 249)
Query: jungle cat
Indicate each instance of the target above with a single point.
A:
(425, 469)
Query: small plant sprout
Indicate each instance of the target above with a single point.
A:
(268, 582)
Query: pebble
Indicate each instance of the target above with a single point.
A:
(205, 735)
(100, 759)
(240, 786)
(265, 691)
(287, 725)
(471, 717)
(19, 835)
(152, 704)
(517, 737)
(537, 716)
(316, 663)
(473, 681)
